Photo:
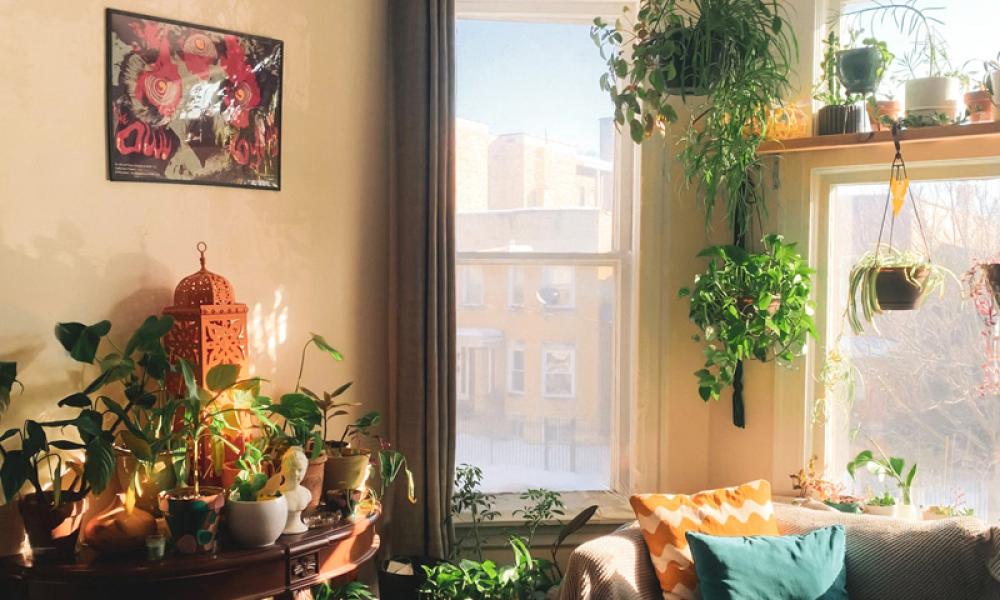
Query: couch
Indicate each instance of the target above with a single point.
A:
(887, 559)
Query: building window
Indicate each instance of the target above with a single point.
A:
(544, 207)
(559, 371)
(558, 288)
(515, 287)
(473, 286)
(515, 368)
(919, 394)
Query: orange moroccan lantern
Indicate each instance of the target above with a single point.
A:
(210, 327)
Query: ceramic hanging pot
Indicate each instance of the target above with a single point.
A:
(896, 289)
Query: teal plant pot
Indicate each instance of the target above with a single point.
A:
(858, 69)
(193, 520)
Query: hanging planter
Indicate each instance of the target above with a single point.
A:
(749, 306)
(887, 278)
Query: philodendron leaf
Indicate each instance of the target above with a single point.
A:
(189, 382)
(81, 341)
(322, 344)
(139, 447)
(221, 377)
(99, 465)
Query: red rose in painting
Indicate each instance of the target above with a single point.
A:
(199, 53)
(159, 84)
(241, 93)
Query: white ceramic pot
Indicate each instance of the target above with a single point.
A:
(995, 82)
(910, 512)
(11, 529)
(880, 511)
(256, 523)
(929, 96)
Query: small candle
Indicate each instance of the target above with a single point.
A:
(155, 547)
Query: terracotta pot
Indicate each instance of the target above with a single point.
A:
(980, 106)
(193, 520)
(53, 531)
(258, 522)
(11, 530)
(895, 291)
(747, 303)
(116, 531)
(892, 109)
(159, 478)
(313, 481)
(834, 119)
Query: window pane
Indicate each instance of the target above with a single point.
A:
(919, 395)
(555, 432)
(534, 140)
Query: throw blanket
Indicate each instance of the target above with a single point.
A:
(887, 559)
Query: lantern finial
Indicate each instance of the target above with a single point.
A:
(202, 246)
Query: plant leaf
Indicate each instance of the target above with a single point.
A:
(221, 377)
(322, 344)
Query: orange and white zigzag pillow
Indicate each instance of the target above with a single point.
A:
(665, 518)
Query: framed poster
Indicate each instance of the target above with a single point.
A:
(192, 104)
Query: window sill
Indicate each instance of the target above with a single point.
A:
(879, 138)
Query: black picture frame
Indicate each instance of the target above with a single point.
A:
(165, 77)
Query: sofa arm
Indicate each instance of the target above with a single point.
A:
(612, 567)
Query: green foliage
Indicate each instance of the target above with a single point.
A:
(354, 590)
(34, 458)
(736, 53)
(885, 499)
(8, 377)
(829, 90)
(883, 466)
(928, 51)
(81, 340)
(466, 497)
(733, 304)
(862, 292)
(542, 506)
(527, 578)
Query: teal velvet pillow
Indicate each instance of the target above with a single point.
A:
(785, 567)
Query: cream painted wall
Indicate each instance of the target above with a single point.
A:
(74, 246)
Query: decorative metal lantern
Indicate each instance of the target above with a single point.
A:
(210, 327)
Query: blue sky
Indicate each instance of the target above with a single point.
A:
(536, 78)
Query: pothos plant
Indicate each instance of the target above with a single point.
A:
(734, 54)
(750, 306)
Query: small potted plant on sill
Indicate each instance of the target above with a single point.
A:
(750, 306)
(256, 512)
(979, 103)
(883, 113)
(956, 509)
(890, 279)
(894, 468)
(841, 111)
(881, 506)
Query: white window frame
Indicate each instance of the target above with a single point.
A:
(517, 347)
(548, 348)
(515, 279)
(622, 257)
(466, 296)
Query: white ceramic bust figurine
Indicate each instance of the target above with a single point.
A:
(293, 467)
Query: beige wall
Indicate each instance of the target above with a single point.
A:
(74, 246)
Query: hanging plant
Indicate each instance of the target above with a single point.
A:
(735, 55)
(750, 306)
(888, 278)
(982, 285)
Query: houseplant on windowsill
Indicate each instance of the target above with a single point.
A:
(881, 506)
(750, 306)
(882, 465)
(841, 111)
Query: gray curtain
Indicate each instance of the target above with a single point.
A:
(422, 268)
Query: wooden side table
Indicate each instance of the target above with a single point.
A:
(290, 566)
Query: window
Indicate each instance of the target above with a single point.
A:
(544, 206)
(558, 289)
(558, 371)
(515, 368)
(919, 393)
(515, 287)
(472, 286)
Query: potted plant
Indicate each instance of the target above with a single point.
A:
(750, 306)
(890, 279)
(883, 113)
(860, 69)
(256, 512)
(841, 111)
(11, 525)
(736, 53)
(936, 94)
(979, 101)
(956, 509)
(51, 517)
(883, 466)
(881, 506)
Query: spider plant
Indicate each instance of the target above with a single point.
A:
(867, 296)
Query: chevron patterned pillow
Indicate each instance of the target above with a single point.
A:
(666, 518)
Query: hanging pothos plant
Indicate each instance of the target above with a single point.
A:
(735, 55)
(750, 306)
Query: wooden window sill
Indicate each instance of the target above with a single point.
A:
(983, 131)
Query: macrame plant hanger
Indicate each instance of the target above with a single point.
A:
(899, 188)
(743, 218)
